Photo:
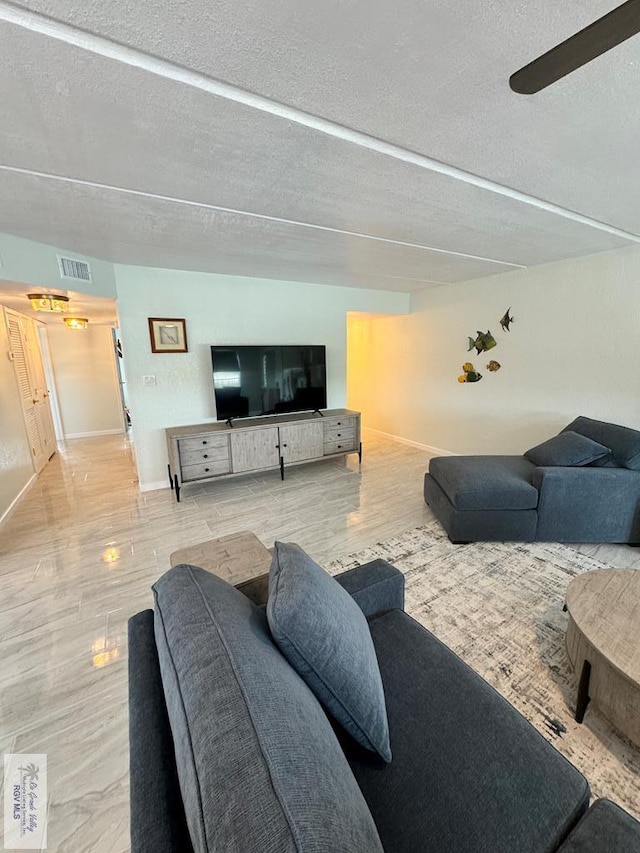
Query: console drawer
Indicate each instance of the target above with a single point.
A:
(336, 433)
(339, 446)
(206, 440)
(210, 468)
(330, 423)
(214, 453)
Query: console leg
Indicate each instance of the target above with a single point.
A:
(583, 692)
(176, 486)
(281, 468)
(170, 477)
(360, 454)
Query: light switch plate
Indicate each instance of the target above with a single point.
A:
(149, 379)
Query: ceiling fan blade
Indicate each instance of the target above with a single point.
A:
(607, 32)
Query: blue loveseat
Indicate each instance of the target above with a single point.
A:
(231, 752)
(553, 493)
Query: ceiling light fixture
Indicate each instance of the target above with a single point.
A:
(75, 322)
(48, 301)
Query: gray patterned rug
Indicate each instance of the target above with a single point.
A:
(499, 606)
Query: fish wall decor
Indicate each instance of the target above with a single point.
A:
(506, 320)
(483, 342)
(470, 374)
(493, 366)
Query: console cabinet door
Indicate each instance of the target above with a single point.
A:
(301, 441)
(254, 449)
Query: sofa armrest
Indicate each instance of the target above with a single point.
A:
(587, 504)
(375, 587)
(158, 823)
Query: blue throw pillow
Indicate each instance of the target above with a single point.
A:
(567, 449)
(623, 441)
(259, 765)
(323, 634)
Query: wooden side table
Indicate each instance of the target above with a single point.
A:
(236, 558)
(603, 645)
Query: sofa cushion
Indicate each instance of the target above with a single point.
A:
(485, 482)
(469, 773)
(325, 637)
(567, 449)
(623, 441)
(259, 766)
(606, 828)
(605, 462)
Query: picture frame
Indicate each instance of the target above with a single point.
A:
(168, 334)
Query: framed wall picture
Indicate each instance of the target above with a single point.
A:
(167, 335)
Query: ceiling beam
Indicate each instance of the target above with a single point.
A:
(248, 213)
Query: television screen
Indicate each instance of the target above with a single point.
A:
(268, 380)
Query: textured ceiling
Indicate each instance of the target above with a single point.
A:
(165, 164)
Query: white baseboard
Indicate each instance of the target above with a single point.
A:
(152, 487)
(6, 515)
(436, 451)
(92, 434)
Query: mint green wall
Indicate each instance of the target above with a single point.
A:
(222, 309)
(37, 264)
(16, 467)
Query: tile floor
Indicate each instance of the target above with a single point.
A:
(77, 559)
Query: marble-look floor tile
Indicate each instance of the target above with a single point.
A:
(88, 782)
(78, 558)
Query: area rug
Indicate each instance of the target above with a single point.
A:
(499, 606)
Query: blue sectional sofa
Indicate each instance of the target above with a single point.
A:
(230, 751)
(581, 486)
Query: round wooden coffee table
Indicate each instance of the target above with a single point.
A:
(603, 645)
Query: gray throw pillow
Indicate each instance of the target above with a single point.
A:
(325, 637)
(567, 449)
(623, 441)
(259, 765)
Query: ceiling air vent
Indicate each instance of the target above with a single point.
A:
(72, 268)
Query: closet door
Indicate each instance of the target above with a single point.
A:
(31, 395)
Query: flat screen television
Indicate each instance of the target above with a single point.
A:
(268, 380)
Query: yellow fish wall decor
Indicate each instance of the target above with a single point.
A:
(470, 373)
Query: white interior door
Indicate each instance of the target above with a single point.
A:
(54, 406)
(33, 394)
(40, 387)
